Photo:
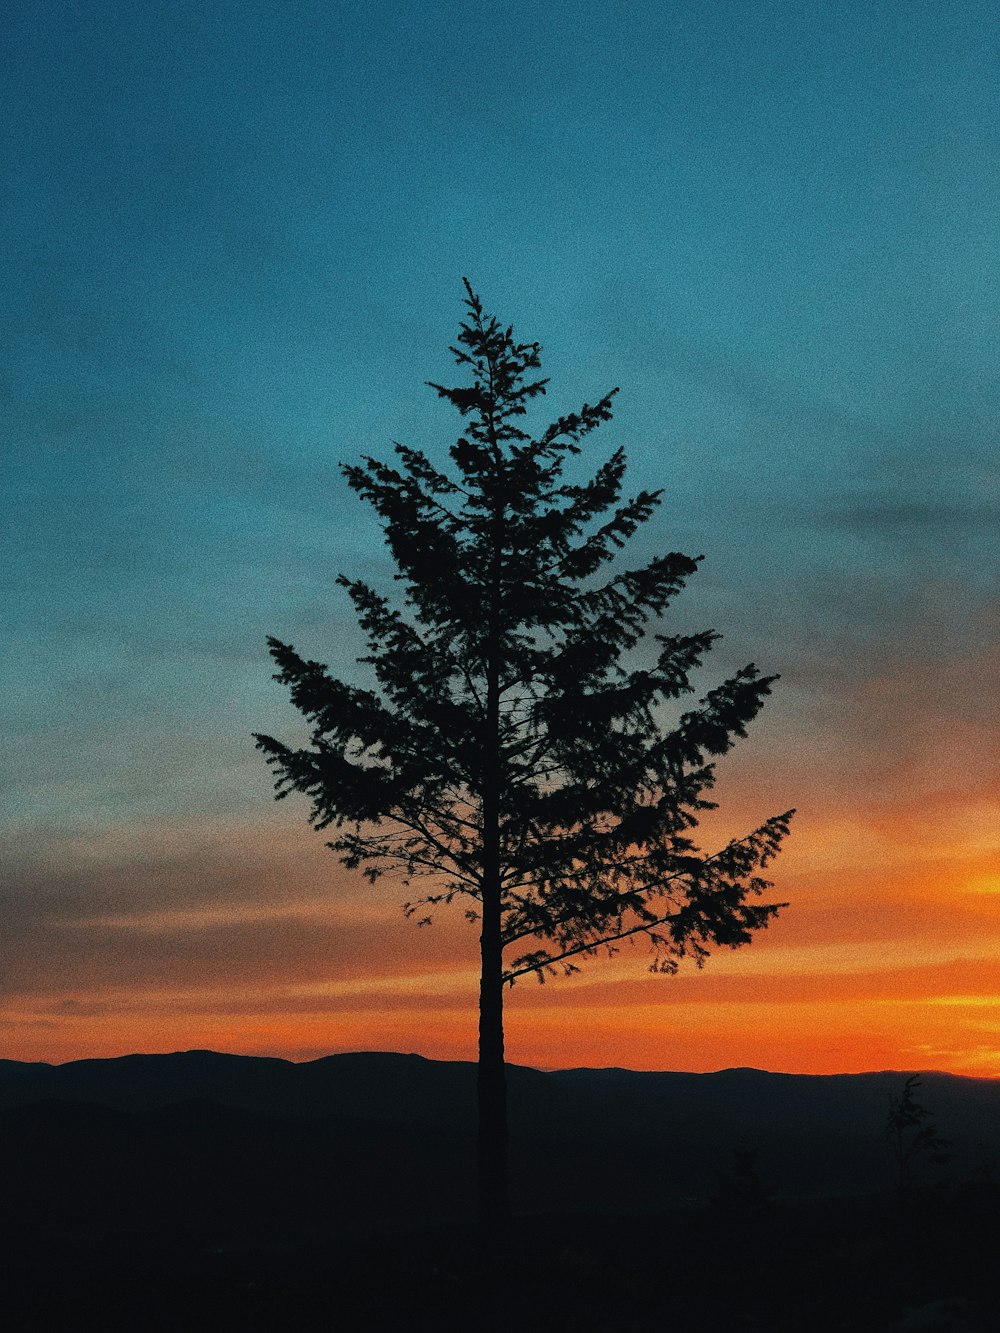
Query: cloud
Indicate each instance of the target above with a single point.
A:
(232, 905)
(891, 518)
(262, 950)
(961, 979)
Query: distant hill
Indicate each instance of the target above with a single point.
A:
(626, 1129)
(217, 1192)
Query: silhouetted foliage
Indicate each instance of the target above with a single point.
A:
(912, 1136)
(509, 752)
(740, 1189)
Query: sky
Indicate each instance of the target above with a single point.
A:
(232, 239)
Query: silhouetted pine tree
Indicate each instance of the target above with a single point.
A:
(913, 1138)
(509, 752)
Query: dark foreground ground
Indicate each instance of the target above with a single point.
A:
(926, 1261)
(863, 1264)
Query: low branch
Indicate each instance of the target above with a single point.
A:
(590, 947)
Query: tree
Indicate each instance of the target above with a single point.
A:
(510, 750)
(912, 1136)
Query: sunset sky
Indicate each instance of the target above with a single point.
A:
(233, 236)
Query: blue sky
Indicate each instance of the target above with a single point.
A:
(233, 237)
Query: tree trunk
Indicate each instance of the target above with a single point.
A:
(494, 1205)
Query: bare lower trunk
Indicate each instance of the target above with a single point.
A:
(494, 1204)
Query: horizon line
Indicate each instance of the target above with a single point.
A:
(539, 1069)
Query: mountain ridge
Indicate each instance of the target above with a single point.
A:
(814, 1133)
(231, 1186)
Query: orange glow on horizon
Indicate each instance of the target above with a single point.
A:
(887, 957)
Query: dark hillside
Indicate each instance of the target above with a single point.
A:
(815, 1134)
(197, 1191)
